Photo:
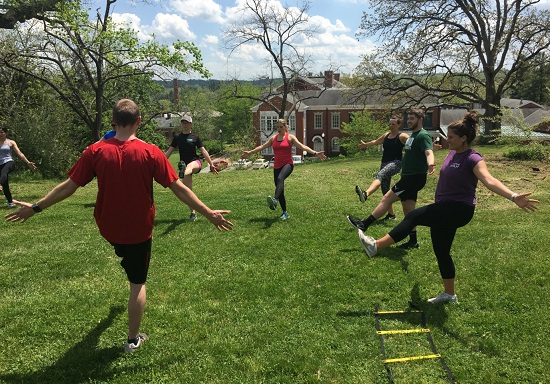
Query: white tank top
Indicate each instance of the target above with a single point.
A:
(5, 152)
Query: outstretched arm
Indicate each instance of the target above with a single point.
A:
(371, 143)
(189, 198)
(430, 159)
(206, 156)
(20, 154)
(59, 193)
(493, 184)
(265, 145)
(302, 147)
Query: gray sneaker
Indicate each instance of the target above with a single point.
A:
(272, 202)
(361, 193)
(368, 243)
(131, 347)
(193, 216)
(443, 297)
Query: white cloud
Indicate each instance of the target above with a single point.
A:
(171, 27)
(207, 10)
(211, 39)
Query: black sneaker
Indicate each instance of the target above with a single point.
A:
(356, 223)
(389, 217)
(408, 245)
(362, 194)
(193, 216)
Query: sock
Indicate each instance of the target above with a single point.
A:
(368, 221)
(412, 237)
(133, 341)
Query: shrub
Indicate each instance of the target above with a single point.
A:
(531, 151)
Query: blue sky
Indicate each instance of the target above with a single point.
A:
(202, 22)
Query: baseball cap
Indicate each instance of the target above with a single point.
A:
(186, 118)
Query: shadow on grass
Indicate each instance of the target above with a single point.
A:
(268, 222)
(83, 363)
(435, 314)
(172, 224)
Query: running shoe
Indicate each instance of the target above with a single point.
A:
(272, 202)
(443, 297)
(389, 217)
(356, 223)
(131, 347)
(408, 245)
(361, 193)
(285, 215)
(368, 243)
(181, 167)
(193, 216)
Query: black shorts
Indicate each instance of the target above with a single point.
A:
(407, 188)
(135, 260)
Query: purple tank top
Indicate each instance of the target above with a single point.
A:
(457, 181)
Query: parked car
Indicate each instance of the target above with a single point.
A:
(297, 159)
(260, 164)
(243, 164)
(220, 164)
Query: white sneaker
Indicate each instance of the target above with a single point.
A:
(131, 347)
(443, 297)
(368, 243)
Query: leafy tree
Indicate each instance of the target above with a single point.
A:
(85, 62)
(278, 29)
(451, 52)
(533, 82)
(17, 11)
(364, 126)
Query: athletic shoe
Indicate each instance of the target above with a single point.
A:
(272, 202)
(181, 167)
(193, 217)
(368, 243)
(408, 245)
(285, 215)
(443, 297)
(389, 217)
(356, 223)
(11, 205)
(362, 194)
(131, 347)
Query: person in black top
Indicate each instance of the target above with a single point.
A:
(392, 142)
(187, 143)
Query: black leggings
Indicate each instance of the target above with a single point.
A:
(443, 218)
(279, 176)
(5, 169)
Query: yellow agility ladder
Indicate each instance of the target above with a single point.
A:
(387, 362)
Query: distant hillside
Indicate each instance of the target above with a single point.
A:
(212, 83)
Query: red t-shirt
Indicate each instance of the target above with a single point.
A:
(125, 170)
(282, 150)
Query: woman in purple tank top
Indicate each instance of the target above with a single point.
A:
(454, 203)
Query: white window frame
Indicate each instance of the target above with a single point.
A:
(335, 120)
(335, 144)
(318, 120)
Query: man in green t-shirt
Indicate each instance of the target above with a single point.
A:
(418, 161)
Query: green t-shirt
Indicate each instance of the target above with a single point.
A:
(414, 160)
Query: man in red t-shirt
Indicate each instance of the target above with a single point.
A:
(125, 168)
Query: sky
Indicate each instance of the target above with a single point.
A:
(334, 47)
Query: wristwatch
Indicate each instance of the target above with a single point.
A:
(36, 208)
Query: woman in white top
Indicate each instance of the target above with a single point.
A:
(7, 164)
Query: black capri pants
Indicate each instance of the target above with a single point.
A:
(443, 218)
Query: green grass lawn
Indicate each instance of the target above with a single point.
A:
(276, 301)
